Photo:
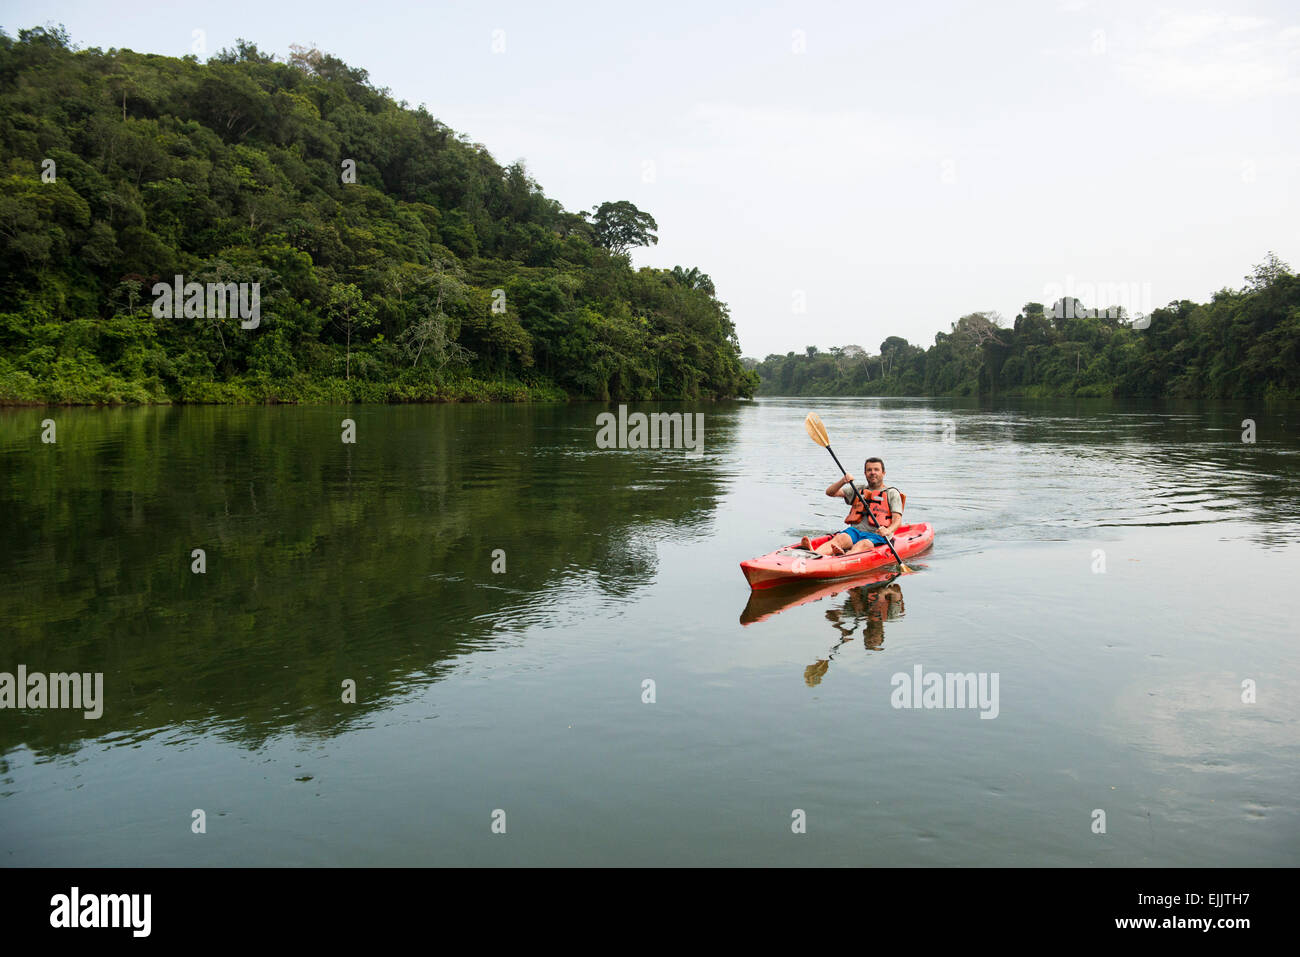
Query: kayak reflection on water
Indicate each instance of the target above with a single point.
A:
(866, 606)
(769, 602)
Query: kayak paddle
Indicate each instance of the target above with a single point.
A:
(819, 435)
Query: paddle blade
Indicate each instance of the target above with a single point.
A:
(816, 430)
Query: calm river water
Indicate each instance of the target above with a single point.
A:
(553, 640)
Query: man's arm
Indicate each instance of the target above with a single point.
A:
(833, 490)
(897, 520)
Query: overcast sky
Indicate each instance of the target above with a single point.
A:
(885, 168)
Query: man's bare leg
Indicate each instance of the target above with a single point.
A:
(864, 546)
(836, 546)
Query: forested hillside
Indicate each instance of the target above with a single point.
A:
(394, 260)
(1242, 344)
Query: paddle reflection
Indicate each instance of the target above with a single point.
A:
(864, 610)
(857, 606)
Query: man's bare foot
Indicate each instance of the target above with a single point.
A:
(806, 542)
(836, 550)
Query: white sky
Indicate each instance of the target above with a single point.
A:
(907, 167)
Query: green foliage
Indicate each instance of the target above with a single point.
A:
(1243, 344)
(396, 260)
(621, 226)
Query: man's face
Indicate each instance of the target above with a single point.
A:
(875, 474)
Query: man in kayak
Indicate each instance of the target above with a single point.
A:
(886, 505)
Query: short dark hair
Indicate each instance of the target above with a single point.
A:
(874, 459)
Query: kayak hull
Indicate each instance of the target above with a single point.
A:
(766, 602)
(794, 564)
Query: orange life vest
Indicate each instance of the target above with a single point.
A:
(878, 503)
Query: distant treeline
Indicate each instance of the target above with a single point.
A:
(386, 257)
(1242, 344)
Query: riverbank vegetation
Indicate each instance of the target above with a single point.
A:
(1242, 344)
(384, 256)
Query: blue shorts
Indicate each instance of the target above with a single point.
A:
(858, 536)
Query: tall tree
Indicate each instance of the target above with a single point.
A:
(350, 312)
(621, 226)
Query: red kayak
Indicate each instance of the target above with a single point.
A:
(795, 564)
